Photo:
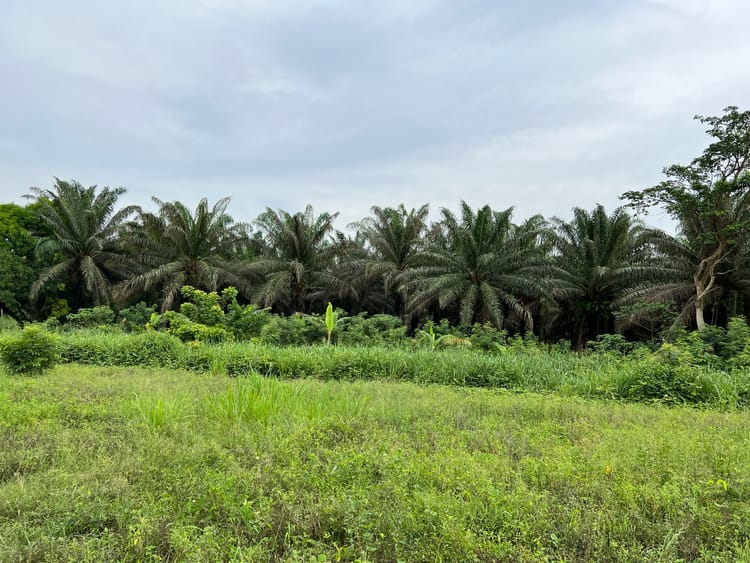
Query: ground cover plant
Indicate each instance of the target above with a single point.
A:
(138, 464)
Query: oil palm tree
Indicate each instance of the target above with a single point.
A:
(395, 238)
(176, 246)
(296, 269)
(482, 264)
(83, 225)
(598, 260)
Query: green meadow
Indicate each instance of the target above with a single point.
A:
(103, 463)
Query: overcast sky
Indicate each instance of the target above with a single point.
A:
(541, 104)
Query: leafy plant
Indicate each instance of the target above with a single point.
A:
(30, 351)
(331, 320)
(432, 339)
(7, 323)
(92, 317)
(135, 318)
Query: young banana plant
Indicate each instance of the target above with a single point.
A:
(332, 319)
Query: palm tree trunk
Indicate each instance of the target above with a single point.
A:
(578, 342)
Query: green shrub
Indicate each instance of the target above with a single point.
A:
(201, 307)
(487, 337)
(134, 319)
(8, 323)
(151, 348)
(377, 330)
(92, 317)
(31, 351)
(188, 330)
(297, 330)
(611, 343)
(246, 322)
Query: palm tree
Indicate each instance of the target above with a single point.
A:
(395, 237)
(482, 264)
(598, 258)
(297, 266)
(176, 247)
(84, 225)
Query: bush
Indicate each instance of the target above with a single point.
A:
(134, 319)
(93, 317)
(297, 330)
(188, 330)
(246, 322)
(611, 343)
(8, 323)
(487, 337)
(154, 349)
(376, 330)
(31, 351)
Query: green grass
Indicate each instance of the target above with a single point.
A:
(135, 464)
(522, 367)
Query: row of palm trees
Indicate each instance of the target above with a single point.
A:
(558, 278)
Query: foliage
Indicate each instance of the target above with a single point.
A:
(711, 201)
(30, 351)
(672, 374)
(16, 277)
(135, 317)
(487, 337)
(246, 322)
(84, 223)
(482, 264)
(19, 227)
(92, 317)
(188, 330)
(177, 247)
(648, 319)
(295, 270)
(8, 323)
(150, 348)
(435, 340)
(295, 330)
(595, 273)
(375, 330)
(211, 317)
(395, 239)
(598, 258)
(611, 343)
(331, 320)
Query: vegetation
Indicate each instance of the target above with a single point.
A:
(176, 247)
(134, 464)
(574, 280)
(482, 265)
(597, 258)
(30, 351)
(709, 198)
(368, 415)
(294, 268)
(707, 368)
(84, 224)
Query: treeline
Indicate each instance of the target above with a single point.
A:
(73, 247)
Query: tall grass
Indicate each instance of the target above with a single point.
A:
(521, 367)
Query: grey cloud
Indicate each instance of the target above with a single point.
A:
(543, 104)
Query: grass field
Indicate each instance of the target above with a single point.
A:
(134, 464)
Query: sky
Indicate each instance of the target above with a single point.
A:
(541, 105)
